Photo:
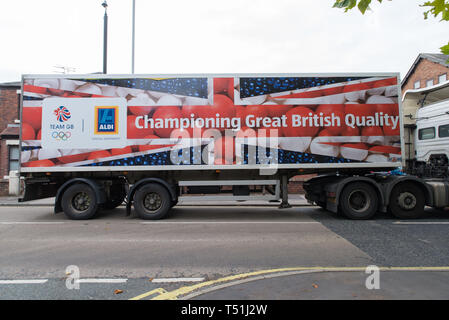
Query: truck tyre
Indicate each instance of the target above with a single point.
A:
(152, 201)
(79, 202)
(407, 202)
(358, 201)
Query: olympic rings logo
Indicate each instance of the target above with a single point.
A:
(64, 136)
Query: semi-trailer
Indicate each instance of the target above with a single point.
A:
(96, 141)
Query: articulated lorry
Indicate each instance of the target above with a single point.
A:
(96, 141)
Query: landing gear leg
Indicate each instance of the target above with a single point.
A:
(284, 192)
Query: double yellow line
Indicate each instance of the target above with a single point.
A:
(173, 295)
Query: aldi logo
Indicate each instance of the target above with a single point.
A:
(106, 120)
(96, 123)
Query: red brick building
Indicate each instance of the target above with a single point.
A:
(428, 69)
(9, 132)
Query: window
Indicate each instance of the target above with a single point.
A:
(426, 133)
(442, 78)
(443, 131)
(417, 85)
(13, 157)
(429, 83)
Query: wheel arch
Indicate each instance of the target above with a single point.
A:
(170, 188)
(414, 180)
(343, 183)
(98, 189)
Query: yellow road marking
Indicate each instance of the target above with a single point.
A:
(172, 295)
(149, 293)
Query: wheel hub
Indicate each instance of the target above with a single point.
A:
(81, 201)
(152, 201)
(407, 201)
(359, 200)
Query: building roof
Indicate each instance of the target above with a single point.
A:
(15, 84)
(434, 57)
(437, 57)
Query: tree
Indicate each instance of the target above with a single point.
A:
(435, 8)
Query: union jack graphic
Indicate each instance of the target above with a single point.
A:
(62, 114)
(357, 108)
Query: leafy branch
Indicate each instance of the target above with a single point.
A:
(435, 8)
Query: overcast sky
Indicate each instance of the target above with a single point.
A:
(211, 36)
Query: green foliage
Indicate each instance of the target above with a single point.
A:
(435, 8)
(445, 49)
(363, 5)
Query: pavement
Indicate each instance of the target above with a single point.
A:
(294, 199)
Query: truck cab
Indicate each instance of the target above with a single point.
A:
(432, 133)
(426, 130)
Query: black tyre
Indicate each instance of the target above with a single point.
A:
(407, 201)
(359, 201)
(152, 202)
(79, 202)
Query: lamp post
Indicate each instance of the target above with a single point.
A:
(105, 37)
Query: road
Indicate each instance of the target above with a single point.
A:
(221, 253)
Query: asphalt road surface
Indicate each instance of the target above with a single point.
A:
(221, 253)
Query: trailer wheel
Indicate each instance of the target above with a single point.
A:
(407, 201)
(358, 201)
(79, 202)
(152, 202)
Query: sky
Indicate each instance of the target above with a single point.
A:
(211, 36)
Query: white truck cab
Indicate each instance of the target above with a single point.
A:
(432, 132)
